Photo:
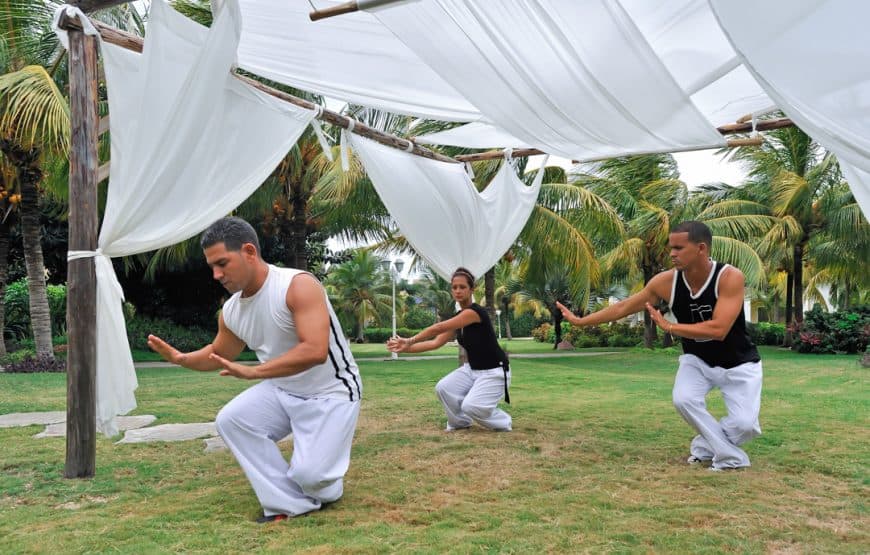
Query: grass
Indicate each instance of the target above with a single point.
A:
(594, 464)
(379, 350)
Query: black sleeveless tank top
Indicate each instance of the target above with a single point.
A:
(736, 348)
(480, 342)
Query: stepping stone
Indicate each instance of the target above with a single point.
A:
(213, 444)
(31, 418)
(123, 422)
(170, 432)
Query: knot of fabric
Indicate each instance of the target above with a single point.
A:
(410, 147)
(73, 13)
(77, 255)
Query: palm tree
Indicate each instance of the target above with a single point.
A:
(650, 199)
(435, 295)
(360, 291)
(539, 292)
(34, 128)
(789, 173)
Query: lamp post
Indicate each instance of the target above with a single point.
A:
(394, 267)
(498, 317)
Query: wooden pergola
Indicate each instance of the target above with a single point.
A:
(85, 174)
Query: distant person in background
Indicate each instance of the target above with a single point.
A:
(471, 392)
(310, 383)
(706, 297)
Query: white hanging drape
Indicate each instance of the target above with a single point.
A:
(189, 144)
(352, 58)
(813, 58)
(574, 79)
(441, 214)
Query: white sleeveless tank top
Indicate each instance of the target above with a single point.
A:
(266, 325)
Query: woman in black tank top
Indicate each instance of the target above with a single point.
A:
(471, 392)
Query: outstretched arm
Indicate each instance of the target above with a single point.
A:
(658, 288)
(442, 332)
(225, 344)
(728, 307)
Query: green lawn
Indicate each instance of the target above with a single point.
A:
(594, 464)
(379, 350)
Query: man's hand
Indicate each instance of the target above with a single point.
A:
(567, 314)
(164, 349)
(658, 318)
(231, 368)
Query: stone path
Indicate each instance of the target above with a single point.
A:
(136, 428)
(124, 423)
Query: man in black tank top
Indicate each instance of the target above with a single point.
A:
(706, 297)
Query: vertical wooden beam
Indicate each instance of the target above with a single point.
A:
(81, 441)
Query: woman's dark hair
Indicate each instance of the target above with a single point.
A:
(466, 274)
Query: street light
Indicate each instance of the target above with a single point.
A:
(498, 317)
(394, 267)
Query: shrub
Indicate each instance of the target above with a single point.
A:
(418, 318)
(522, 326)
(183, 338)
(542, 333)
(31, 365)
(381, 335)
(846, 331)
(766, 333)
(17, 303)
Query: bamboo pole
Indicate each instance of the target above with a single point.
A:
(348, 7)
(81, 444)
(519, 153)
(134, 42)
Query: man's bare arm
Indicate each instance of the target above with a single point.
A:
(659, 287)
(728, 307)
(225, 344)
(306, 299)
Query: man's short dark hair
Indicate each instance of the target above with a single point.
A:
(698, 232)
(232, 232)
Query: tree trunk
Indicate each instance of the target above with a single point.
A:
(507, 317)
(4, 265)
(489, 293)
(557, 321)
(650, 334)
(799, 284)
(29, 174)
(789, 297)
(299, 231)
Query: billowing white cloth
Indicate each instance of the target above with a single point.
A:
(441, 214)
(813, 58)
(574, 79)
(189, 144)
(352, 57)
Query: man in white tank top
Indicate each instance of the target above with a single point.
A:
(310, 385)
(707, 299)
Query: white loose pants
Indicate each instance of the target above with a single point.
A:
(323, 429)
(472, 396)
(741, 390)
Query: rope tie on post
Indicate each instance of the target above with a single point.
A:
(345, 162)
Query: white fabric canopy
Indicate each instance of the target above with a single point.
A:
(441, 214)
(189, 144)
(352, 58)
(813, 58)
(575, 79)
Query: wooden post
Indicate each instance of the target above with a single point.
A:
(81, 441)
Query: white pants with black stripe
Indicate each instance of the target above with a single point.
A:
(472, 396)
(322, 431)
(718, 440)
